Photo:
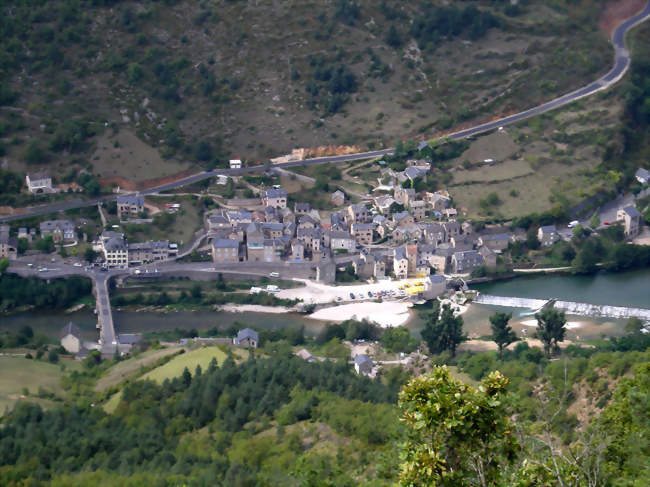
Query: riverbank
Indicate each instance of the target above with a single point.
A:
(385, 314)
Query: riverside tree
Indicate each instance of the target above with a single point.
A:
(456, 435)
(551, 327)
(502, 333)
(444, 331)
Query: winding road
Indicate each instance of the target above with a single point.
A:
(621, 65)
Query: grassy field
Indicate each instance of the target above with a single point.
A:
(538, 163)
(131, 366)
(181, 225)
(123, 154)
(19, 373)
(174, 368)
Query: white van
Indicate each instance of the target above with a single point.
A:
(274, 274)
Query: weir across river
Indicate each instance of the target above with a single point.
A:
(584, 309)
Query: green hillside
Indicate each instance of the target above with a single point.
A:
(147, 89)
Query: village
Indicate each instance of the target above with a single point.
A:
(395, 232)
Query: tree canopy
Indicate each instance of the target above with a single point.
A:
(502, 333)
(456, 434)
(444, 331)
(551, 328)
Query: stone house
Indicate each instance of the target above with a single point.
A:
(337, 198)
(362, 232)
(452, 229)
(642, 176)
(631, 218)
(495, 241)
(363, 364)
(383, 203)
(434, 286)
(404, 195)
(547, 235)
(39, 182)
(400, 263)
(358, 213)
(247, 338)
(8, 245)
(418, 209)
(71, 338)
(403, 218)
(274, 198)
(438, 202)
(489, 257)
(297, 251)
(129, 206)
(59, 230)
(115, 250)
(339, 240)
(144, 252)
(225, 250)
(465, 262)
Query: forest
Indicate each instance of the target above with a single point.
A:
(519, 418)
(16, 292)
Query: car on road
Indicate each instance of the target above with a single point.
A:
(274, 274)
(77, 264)
(30, 265)
(103, 269)
(351, 295)
(573, 223)
(42, 269)
(606, 223)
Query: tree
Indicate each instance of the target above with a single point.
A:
(594, 222)
(90, 254)
(53, 356)
(444, 332)
(34, 153)
(633, 325)
(45, 244)
(502, 333)
(392, 37)
(456, 435)
(550, 329)
(586, 260)
(4, 265)
(532, 242)
(398, 339)
(195, 292)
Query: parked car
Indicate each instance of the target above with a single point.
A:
(351, 295)
(370, 294)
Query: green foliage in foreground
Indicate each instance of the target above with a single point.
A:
(455, 433)
(213, 427)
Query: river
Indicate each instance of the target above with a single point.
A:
(50, 323)
(630, 289)
(624, 289)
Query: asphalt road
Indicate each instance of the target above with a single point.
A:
(621, 65)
